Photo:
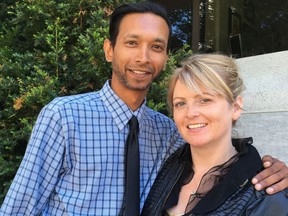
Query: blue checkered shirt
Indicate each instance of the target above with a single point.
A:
(74, 162)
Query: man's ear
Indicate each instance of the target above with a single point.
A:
(108, 50)
(237, 108)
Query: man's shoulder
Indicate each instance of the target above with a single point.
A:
(78, 99)
(157, 116)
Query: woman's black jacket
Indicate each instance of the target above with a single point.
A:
(234, 195)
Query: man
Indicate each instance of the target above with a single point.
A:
(74, 163)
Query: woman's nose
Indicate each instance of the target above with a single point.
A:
(192, 111)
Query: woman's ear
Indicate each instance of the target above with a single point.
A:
(237, 108)
(108, 50)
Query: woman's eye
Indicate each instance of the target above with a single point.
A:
(179, 104)
(204, 100)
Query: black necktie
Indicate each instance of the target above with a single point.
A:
(132, 185)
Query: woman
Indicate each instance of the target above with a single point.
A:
(211, 174)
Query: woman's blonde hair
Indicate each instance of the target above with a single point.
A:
(217, 72)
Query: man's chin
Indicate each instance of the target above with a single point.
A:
(139, 87)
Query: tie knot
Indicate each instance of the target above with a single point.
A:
(133, 124)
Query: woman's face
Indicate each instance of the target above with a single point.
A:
(204, 119)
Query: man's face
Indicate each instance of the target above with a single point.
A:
(140, 53)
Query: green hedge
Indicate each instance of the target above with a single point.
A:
(52, 48)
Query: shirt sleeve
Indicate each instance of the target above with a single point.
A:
(38, 172)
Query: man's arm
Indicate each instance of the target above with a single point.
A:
(39, 169)
(274, 177)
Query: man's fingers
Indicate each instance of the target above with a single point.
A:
(278, 187)
(264, 182)
(274, 172)
(267, 161)
(274, 177)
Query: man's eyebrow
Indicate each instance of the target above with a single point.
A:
(132, 36)
(158, 40)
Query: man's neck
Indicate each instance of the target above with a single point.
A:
(133, 98)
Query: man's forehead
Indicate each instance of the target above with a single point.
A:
(133, 23)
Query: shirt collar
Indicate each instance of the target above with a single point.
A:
(120, 112)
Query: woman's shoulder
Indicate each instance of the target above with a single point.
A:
(175, 160)
(165, 181)
(274, 204)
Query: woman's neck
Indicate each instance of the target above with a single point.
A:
(205, 159)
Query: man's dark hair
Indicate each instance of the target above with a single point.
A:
(139, 7)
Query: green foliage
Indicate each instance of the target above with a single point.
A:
(158, 91)
(52, 48)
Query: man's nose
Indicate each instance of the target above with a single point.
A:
(143, 55)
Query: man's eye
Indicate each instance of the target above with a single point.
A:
(158, 47)
(131, 43)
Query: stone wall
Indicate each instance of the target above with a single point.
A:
(265, 115)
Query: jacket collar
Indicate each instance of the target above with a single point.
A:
(240, 174)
